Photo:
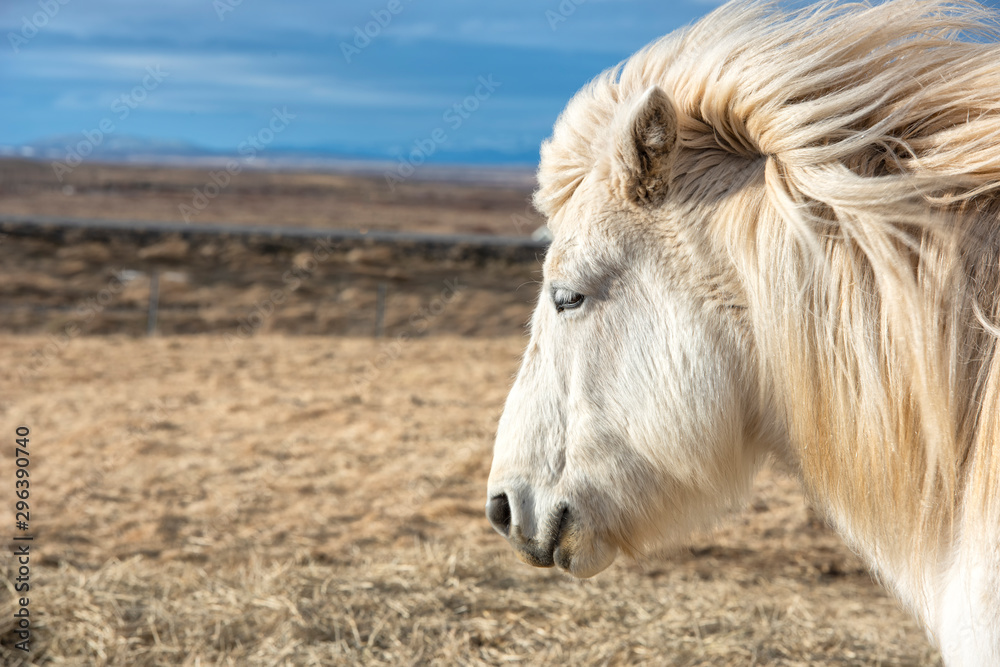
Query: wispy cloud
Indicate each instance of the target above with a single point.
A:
(225, 74)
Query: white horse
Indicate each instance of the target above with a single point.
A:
(776, 234)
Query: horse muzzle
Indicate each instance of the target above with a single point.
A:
(558, 539)
(537, 549)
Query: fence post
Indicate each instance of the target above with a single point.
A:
(380, 311)
(154, 299)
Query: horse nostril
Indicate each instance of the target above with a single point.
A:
(498, 512)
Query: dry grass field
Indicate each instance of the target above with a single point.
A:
(294, 199)
(50, 285)
(198, 502)
(299, 493)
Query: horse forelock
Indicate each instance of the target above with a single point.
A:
(873, 88)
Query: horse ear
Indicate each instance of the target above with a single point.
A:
(645, 145)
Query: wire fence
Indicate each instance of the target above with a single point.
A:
(111, 277)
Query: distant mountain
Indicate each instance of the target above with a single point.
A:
(127, 147)
(96, 146)
(474, 165)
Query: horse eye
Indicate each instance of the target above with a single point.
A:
(566, 299)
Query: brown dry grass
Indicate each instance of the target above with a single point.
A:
(294, 199)
(203, 503)
(51, 283)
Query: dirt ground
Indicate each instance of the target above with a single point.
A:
(275, 501)
(274, 199)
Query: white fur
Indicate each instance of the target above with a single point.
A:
(786, 230)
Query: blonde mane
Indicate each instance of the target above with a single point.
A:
(862, 145)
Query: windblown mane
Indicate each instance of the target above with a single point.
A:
(869, 251)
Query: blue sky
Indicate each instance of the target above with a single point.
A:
(211, 72)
